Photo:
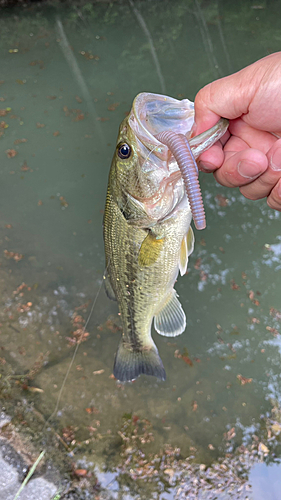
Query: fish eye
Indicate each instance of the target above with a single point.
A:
(124, 151)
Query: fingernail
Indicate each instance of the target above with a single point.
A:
(206, 166)
(248, 169)
(275, 161)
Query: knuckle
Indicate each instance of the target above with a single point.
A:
(274, 202)
(203, 97)
(249, 193)
(266, 182)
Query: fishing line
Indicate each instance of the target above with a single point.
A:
(73, 358)
(84, 328)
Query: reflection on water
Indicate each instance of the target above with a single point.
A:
(68, 77)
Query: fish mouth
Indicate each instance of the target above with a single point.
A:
(164, 185)
(154, 113)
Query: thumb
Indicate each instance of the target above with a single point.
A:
(228, 97)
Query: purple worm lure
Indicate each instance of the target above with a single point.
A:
(180, 148)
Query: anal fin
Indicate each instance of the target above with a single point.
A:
(171, 320)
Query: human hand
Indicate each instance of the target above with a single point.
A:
(249, 154)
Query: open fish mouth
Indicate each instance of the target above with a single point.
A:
(162, 126)
(155, 113)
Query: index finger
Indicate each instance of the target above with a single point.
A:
(227, 98)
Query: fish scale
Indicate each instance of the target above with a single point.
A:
(147, 234)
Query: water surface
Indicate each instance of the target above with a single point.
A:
(68, 77)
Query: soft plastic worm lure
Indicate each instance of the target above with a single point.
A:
(180, 148)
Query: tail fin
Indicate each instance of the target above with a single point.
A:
(130, 364)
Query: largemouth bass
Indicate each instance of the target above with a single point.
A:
(147, 232)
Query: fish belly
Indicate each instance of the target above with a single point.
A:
(142, 290)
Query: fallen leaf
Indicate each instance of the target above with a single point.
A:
(89, 56)
(80, 472)
(25, 167)
(222, 200)
(203, 276)
(275, 313)
(4, 112)
(272, 330)
(194, 405)
(63, 202)
(11, 153)
(20, 288)
(234, 285)
(34, 389)
(230, 434)
(263, 449)
(276, 428)
(187, 360)
(98, 372)
(244, 380)
(91, 410)
(255, 320)
(39, 62)
(13, 255)
(79, 117)
(169, 472)
(112, 326)
(197, 264)
(113, 106)
(19, 141)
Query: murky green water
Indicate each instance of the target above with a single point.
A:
(69, 76)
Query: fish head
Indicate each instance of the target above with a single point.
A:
(143, 167)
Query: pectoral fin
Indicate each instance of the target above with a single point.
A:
(187, 247)
(170, 321)
(150, 250)
(108, 288)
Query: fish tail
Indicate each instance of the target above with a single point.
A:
(129, 364)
